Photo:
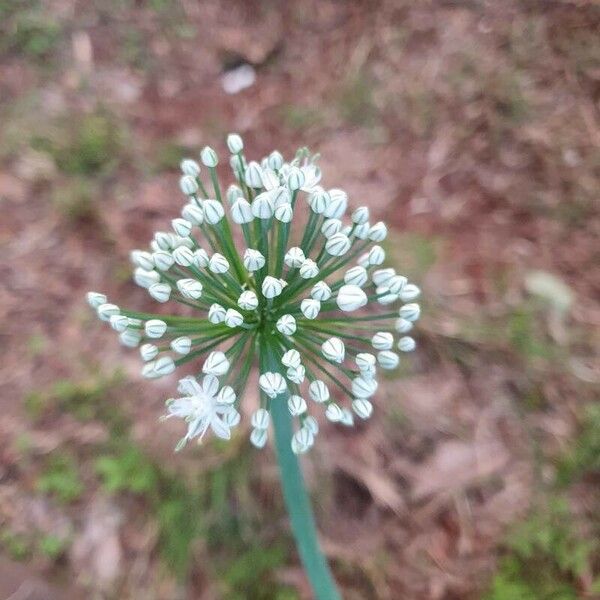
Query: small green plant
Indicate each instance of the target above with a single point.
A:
(52, 546)
(15, 545)
(128, 471)
(61, 479)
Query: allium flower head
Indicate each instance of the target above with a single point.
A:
(278, 274)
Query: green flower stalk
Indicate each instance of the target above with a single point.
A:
(311, 306)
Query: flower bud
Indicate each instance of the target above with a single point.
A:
(333, 349)
(378, 232)
(233, 193)
(338, 245)
(406, 344)
(161, 292)
(190, 167)
(209, 157)
(310, 308)
(334, 413)
(363, 408)
(106, 311)
(361, 232)
(183, 256)
(218, 263)
(321, 291)
(95, 299)
(347, 418)
(286, 325)
(261, 419)
(148, 352)
(284, 213)
(331, 227)
(396, 283)
(155, 328)
(360, 215)
(296, 405)
(262, 207)
(248, 300)
(403, 326)
(145, 278)
(253, 260)
(363, 388)
(181, 227)
(272, 384)
(269, 179)
(376, 255)
(388, 359)
(295, 179)
(232, 417)
(216, 364)
(291, 358)
(296, 374)
(192, 213)
(365, 361)
(410, 312)
(294, 257)
(259, 437)
(163, 260)
(351, 297)
(281, 196)
(271, 287)
(337, 205)
(164, 240)
(318, 391)
(275, 160)
(142, 259)
(409, 292)
(226, 395)
(382, 276)
(253, 175)
(159, 368)
(356, 276)
(188, 185)
(302, 441)
(233, 318)
(213, 211)
(216, 314)
(241, 211)
(119, 322)
(309, 269)
(235, 143)
(201, 259)
(310, 424)
(181, 345)
(385, 296)
(382, 340)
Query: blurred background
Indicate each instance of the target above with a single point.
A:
(473, 129)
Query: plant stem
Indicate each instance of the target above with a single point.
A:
(296, 496)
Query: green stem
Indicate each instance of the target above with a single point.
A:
(296, 496)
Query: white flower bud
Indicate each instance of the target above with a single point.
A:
(148, 352)
(155, 328)
(181, 227)
(309, 269)
(106, 311)
(161, 292)
(190, 167)
(233, 193)
(296, 374)
(363, 260)
(338, 244)
(385, 296)
(406, 344)
(253, 260)
(159, 368)
(163, 260)
(347, 418)
(271, 287)
(360, 215)
(296, 405)
(209, 157)
(403, 326)
(351, 297)
(378, 232)
(382, 340)
(213, 211)
(363, 388)
(295, 179)
(241, 211)
(201, 259)
(232, 417)
(119, 322)
(253, 175)
(261, 419)
(269, 179)
(362, 407)
(233, 318)
(320, 291)
(181, 345)
(284, 213)
(361, 232)
(259, 437)
(262, 207)
(95, 299)
(376, 255)
(334, 413)
(388, 359)
(382, 276)
(183, 256)
(356, 276)
(365, 361)
(226, 395)
(164, 240)
(218, 263)
(142, 259)
(310, 308)
(272, 384)
(294, 257)
(410, 292)
(179, 241)
(192, 213)
(310, 424)
(291, 358)
(318, 391)
(333, 349)
(410, 312)
(286, 324)
(247, 300)
(312, 176)
(281, 196)
(188, 185)
(396, 283)
(302, 441)
(319, 200)
(235, 143)
(331, 227)
(216, 364)
(338, 204)
(275, 160)
(216, 314)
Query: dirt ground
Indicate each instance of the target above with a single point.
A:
(473, 129)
